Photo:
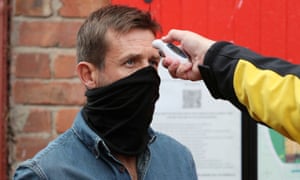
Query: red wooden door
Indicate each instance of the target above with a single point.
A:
(267, 26)
(3, 88)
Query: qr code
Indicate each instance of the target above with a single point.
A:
(191, 98)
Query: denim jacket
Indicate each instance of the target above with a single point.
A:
(81, 154)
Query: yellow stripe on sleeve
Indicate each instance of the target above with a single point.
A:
(269, 97)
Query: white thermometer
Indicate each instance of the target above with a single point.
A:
(170, 50)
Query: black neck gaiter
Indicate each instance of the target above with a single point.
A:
(121, 112)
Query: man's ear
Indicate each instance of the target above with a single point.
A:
(87, 73)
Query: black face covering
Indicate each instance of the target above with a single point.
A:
(121, 112)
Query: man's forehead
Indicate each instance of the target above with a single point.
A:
(134, 39)
(112, 34)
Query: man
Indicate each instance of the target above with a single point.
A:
(266, 88)
(111, 136)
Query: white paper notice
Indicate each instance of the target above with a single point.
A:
(210, 128)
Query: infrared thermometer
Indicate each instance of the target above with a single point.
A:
(170, 50)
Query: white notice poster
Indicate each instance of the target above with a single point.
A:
(210, 128)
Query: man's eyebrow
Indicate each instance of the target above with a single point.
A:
(131, 56)
(156, 56)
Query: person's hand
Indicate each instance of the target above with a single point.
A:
(195, 46)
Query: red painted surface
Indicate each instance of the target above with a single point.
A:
(3, 88)
(270, 27)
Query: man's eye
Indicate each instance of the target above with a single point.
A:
(154, 63)
(130, 62)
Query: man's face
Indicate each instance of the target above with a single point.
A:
(126, 54)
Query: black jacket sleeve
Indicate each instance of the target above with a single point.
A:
(266, 88)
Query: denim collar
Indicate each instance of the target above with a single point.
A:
(92, 141)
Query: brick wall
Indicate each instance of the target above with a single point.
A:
(45, 93)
